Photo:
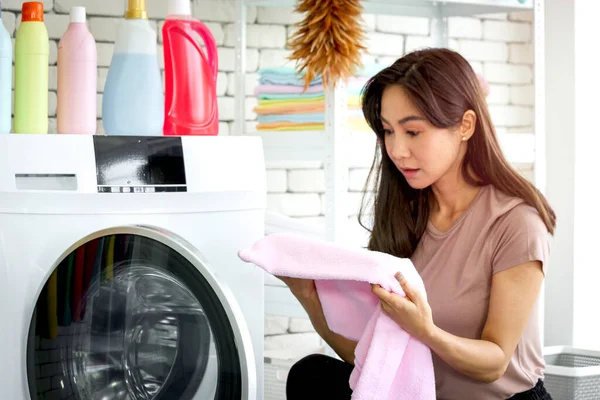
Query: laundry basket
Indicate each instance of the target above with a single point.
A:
(572, 374)
(278, 363)
(276, 371)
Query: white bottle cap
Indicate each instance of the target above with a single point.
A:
(78, 15)
(179, 7)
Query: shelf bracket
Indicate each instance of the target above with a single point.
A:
(439, 26)
(539, 73)
(240, 69)
(336, 165)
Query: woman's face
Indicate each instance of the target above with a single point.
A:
(423, 153)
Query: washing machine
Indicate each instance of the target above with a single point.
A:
(119, 275)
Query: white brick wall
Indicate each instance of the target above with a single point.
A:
(402, 25)
(465, 28)
(499, 46)
(507, 31)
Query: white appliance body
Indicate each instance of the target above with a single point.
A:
(52, 202)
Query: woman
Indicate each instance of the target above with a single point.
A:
(476, 231)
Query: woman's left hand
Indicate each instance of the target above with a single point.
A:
(412, 312)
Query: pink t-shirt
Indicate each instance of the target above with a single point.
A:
(496, 233)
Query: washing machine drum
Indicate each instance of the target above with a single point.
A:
(127, 317)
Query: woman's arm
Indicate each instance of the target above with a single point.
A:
(305, 291)
(513, 296)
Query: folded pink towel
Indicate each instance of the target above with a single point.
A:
(389, 364)
(287, 89)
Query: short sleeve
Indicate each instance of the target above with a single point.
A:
(520, 236)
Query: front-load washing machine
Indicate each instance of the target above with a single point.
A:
(119, 275)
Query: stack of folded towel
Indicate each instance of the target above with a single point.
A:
(283, 104)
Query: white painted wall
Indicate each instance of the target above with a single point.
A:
(586, 265)
(572, 144)
(560, 157)
(499, 46)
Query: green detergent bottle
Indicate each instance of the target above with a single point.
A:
(31, 71)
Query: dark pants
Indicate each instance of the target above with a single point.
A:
(319, 377)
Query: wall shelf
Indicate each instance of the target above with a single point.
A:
(423, 8)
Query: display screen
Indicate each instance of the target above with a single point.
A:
(126, 164)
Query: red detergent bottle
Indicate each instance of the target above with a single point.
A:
(190, 74)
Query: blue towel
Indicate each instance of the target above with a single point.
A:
(281, 71)
(369, 70)
(299, 118)
(352, 91)
(290, 96)
(285, 76)
(286, 80)
(289, 76)
(366, 71)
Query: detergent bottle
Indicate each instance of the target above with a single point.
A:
(32, 50)
(6, 54)
(133, 100)
(190, 74)
(77, 77)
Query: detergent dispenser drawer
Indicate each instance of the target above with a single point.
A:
(139, 164)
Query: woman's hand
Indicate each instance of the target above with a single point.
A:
(412, 312)
(303, 289)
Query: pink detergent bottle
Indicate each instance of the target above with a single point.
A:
(190, 74)
(77, 71)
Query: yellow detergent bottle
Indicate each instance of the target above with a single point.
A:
(31, 71)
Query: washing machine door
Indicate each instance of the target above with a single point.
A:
(134, 314)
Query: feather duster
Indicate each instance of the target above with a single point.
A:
(328, 42)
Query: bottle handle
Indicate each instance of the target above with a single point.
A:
(211, 46)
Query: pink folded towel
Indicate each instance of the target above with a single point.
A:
(389, 363)
(283, 89)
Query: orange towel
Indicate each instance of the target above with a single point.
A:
(289, 126)
(318, 106)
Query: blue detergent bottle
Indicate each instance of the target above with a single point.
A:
(133, 101)
(6, 53)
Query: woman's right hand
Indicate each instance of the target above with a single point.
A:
(303, 289)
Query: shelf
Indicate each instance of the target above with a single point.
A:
(423, 8)
(311, 146)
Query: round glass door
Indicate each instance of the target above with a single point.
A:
(127, 317)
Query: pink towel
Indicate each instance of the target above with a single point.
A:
(287, 89)
(389, 364)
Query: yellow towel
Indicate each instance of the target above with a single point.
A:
(289, 126)
(353, 124)
(281, 102)
(290, 109)
(358, 125)
(352, 101)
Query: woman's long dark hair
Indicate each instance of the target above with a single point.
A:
(443, 86)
